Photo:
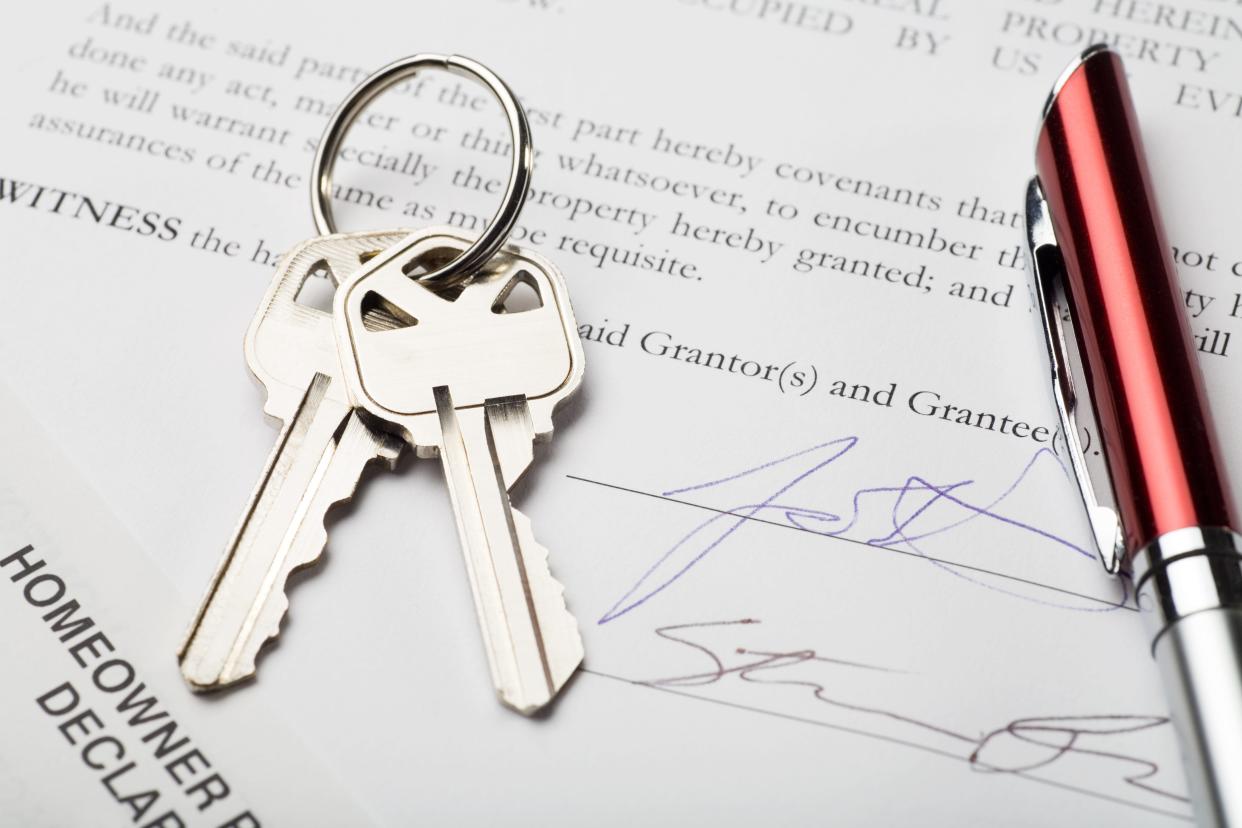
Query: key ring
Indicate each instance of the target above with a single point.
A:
(462, 268)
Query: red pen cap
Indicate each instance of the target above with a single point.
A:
(1141, 369)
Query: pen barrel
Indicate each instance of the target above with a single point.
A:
(1157, 436)
(1191, 598)
(1207, 714)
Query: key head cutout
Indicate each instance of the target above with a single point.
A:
(510, 332)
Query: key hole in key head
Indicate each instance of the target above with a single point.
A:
(317, 289)
(520, 295)
(431, 260)
(378, 314)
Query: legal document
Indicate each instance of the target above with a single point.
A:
(811, 509)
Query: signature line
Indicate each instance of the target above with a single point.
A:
(916, 555)
(871, 735)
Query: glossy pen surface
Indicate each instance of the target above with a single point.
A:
(1157, 435)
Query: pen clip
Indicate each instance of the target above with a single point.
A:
(1069, 380)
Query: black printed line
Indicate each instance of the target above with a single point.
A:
(883, 738)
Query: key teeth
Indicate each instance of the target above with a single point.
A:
(530, 709)
(541, 426)
(388, 451)
(247, 673)
(277, 608)
(562, 637)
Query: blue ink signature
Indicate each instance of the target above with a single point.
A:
(917, 495)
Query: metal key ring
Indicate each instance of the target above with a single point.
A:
(462, 268)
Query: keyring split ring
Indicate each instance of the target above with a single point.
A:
(462, 268)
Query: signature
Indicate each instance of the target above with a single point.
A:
(1018, 747)
(911, 519)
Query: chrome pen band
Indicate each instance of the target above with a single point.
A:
(1190, 593)
(1122, 356)
(1187, 571)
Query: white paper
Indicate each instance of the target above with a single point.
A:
(798, 607)
(98, 727)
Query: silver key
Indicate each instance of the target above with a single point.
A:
(459, 377)
(319, 456)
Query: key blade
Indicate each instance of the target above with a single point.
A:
(532, 641)
(512, 441)
(316, 463)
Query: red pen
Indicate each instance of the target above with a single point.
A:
(1124, 368)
